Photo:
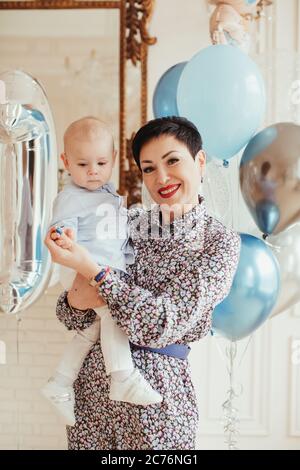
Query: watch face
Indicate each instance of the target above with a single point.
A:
(95, 280)
(98, 277)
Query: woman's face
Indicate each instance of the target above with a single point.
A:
(170, 173)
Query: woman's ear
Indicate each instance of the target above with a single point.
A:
(201, 158)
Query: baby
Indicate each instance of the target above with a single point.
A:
(81, 209)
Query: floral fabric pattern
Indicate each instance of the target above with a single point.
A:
(181, 272)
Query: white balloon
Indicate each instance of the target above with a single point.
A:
(216, 191)
(286, 248)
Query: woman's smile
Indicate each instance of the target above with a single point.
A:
(168, 191)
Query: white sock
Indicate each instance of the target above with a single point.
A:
(121, 375)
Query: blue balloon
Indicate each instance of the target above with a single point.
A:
(253, 294)
(221, 90)
(266, 216)
(165, 93)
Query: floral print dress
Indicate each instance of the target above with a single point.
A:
(181, 272)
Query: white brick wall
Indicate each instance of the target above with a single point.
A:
(33, 347)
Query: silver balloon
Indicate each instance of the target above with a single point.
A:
(286, 248)
(270, 177)
(28, 175)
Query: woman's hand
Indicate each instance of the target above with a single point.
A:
(64, 250)
(83, 296)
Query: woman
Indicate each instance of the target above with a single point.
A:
(184, 266)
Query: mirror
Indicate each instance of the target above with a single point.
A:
(91, 57)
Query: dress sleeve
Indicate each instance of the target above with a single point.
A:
(71, 317)
(159, 320)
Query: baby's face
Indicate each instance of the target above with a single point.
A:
(90, 162)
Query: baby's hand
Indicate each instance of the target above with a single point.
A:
(62, 236)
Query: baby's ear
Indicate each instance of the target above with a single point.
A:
(63, 157)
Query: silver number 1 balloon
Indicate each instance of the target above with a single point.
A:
(28, 185)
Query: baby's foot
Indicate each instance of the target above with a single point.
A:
(135, 389)
(62, 398)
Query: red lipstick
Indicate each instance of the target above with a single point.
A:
(168, 191)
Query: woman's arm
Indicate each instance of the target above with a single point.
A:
(82, 296)
(74, 308)
(189, 299)
(72, 318)
(158, 320)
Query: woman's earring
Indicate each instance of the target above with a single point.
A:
(201, 179)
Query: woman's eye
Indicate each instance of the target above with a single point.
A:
(148, 169)
(173, 160)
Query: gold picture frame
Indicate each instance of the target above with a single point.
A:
(133, 47)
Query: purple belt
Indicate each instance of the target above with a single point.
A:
(180, 351)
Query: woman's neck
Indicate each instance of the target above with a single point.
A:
(177, 211)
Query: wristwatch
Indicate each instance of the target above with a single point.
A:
(99, 278)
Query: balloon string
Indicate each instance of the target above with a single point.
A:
(245, 350)
(231, 201)
(222, 355)
(238, 189)
(18, 368)
(230, 413)
(242, 355)
(211, 197)
(276, 248)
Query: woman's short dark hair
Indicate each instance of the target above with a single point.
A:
(178, 127)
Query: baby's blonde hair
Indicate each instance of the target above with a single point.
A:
(88, 128)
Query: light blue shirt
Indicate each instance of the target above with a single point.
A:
(99, 222)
